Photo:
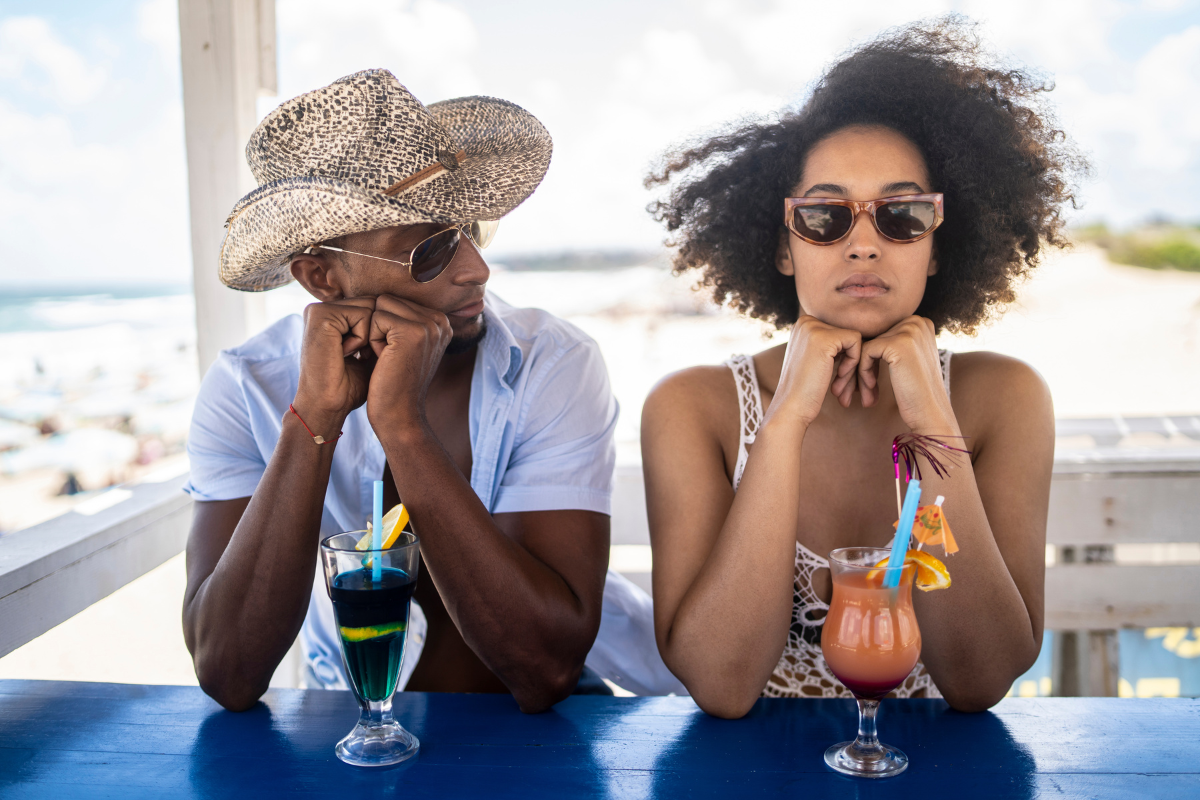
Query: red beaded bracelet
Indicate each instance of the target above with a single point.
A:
(316, 438)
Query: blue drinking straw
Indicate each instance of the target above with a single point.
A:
(377, 534)
(908, 514)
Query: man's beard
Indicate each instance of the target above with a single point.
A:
(461, 344)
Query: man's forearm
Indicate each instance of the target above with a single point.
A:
(520, 617)
(243, 617)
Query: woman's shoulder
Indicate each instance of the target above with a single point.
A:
(995, 386)
(700, 389)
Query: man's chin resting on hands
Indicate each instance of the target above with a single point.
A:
(493, 424)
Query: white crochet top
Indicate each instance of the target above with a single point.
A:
(801, 671)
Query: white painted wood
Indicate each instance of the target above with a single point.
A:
(1122, 460)
(1124, 508)
(52, 571)
(1114, 502)
(223, 63)
(629, 525)
(268, 81)
(1108, 596)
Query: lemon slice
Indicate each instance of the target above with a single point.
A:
(931, 572)
(371, 631)
(393, 524)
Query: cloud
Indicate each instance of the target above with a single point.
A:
(92, 172)
(158, 24)
(428, 45)
(34, 58)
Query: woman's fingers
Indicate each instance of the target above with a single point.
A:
(845, 364)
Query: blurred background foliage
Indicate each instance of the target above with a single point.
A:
(1158, 245)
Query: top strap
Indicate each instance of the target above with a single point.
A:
(750, 410)
(944, 356)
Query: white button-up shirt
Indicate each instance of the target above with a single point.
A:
(542, 418)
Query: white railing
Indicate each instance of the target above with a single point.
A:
(1102, 499)
(51, 572)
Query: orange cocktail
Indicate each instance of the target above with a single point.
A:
(870, 637)
(871, 643)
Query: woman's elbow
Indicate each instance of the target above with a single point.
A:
(725, 707)
(974, 698)
(726, 699)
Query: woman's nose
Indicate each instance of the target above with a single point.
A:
(863, 242)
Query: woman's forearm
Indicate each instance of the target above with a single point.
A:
(245, 614)
(731, 625)
(980, 634)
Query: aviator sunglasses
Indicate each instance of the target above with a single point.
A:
(433, 254)
(903, 219)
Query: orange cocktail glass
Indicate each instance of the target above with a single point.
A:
(871, 643)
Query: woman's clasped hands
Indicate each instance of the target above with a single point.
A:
(822, 359)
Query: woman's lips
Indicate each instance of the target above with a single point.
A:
(473, 310)
(862, 285)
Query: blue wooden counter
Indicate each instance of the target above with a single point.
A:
(85, 740)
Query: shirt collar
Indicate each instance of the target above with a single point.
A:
(499, 345)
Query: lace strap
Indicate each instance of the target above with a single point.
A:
(944, 356)
(750, 410)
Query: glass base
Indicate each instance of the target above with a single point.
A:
(882, 761)
(377, 745)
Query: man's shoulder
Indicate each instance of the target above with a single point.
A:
(537, 330)
(279, 340)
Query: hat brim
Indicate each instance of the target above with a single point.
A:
(507, 155)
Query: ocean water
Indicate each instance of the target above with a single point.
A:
(94, 380)
(32, 308)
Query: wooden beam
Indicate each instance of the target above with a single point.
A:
(1111, 596)
(52, 571)
(1124, 507)
(225, 64)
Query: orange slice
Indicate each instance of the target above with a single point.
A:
(931, 573)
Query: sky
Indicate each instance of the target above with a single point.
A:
(92, 164)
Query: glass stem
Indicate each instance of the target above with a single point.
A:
(376, 713)
(867, 740)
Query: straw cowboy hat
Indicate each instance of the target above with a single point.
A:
(362, 154)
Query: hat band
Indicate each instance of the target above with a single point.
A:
(427, 174)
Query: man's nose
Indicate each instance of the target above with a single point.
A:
(863, 242)
(468, 267)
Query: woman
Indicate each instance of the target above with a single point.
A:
(757, 469)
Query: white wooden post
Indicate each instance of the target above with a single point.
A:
(228, 53)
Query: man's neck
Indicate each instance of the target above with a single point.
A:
(455, 368)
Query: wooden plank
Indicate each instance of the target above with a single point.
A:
(1108, 596)
(221, 56)
(629, 525)
(268, 81)
(52, 571)
(1126, 507)
(163, 741)
(1085, 508)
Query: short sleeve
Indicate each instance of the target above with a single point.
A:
(225, 460)
(564, 455)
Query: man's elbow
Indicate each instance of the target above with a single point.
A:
(232, 693)
(553, 685)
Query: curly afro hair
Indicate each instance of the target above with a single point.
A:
(987, 138)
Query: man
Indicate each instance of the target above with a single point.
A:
(493, 424)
